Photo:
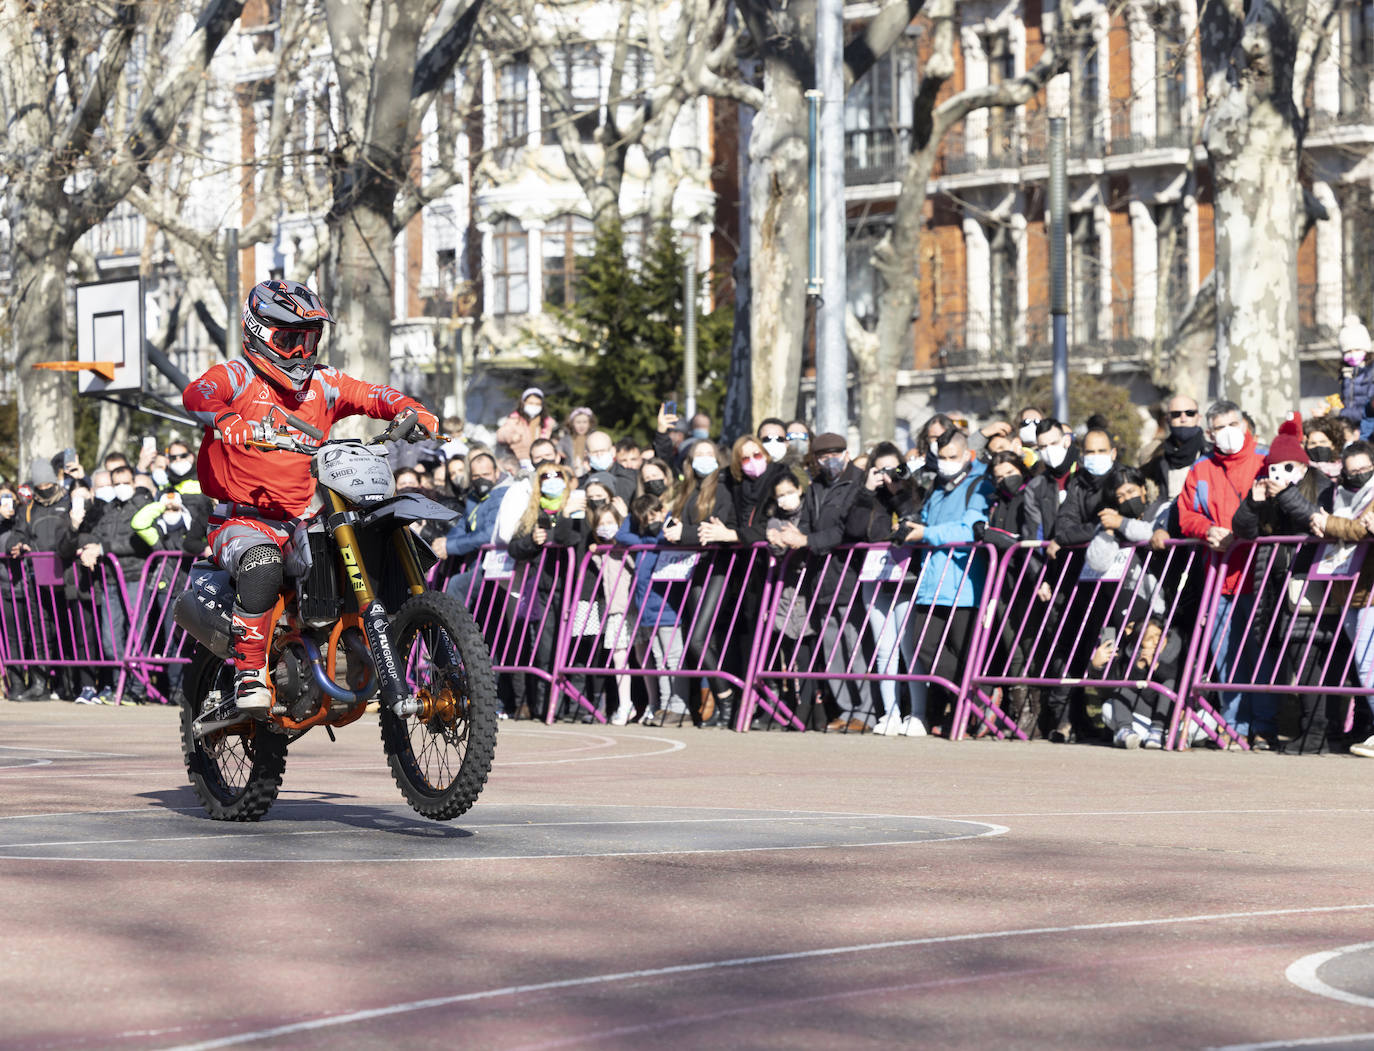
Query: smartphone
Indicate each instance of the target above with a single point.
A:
(670, 408)
(1108, 635)
(547, 519)
(150, 443)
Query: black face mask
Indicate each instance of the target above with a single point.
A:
(655, 487)
(47, 494)
(1355, 482)
(1185, 434)
(593, 506)
(1009, 485)
(481, 488)
(1132, 508)
(1321, 454)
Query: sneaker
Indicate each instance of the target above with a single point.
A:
(647, 719)
(1126, 737)
(251, 691)
(1155, 740)
(891, 724)
(1364, 749)
(913, 726)
(622, 715)
(106, 696)
(502, 714)
(86, 696)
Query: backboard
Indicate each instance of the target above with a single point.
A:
(109, 327)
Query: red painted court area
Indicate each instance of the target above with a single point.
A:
(632, 887)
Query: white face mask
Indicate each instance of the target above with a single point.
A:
(950, 468)
(776, 448)
(606, 531)
(123, 492)
(159, 477)
(1097, 463)
(180, 467)
(533, 410)
(601, 461)
(1054, 454)
(1027, 434)
(790, 502)
(1229, 439)
(104, 493)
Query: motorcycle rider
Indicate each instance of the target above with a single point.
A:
(260, 492)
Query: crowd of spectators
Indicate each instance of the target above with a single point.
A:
(533, 484)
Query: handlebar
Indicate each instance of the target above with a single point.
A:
(280, 441)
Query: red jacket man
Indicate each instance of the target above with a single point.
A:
(1216, 486)
(260, 491)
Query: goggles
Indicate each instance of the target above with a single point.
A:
(295, 342)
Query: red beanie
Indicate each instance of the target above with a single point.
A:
(1287, 447)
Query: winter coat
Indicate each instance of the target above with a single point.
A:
(723, 508)
(111, 525)
(824, 511)
(650, 597)
(751, 498)
(475, 526)
(518, 432)
(877, 514)
(950, 514)
(1077, 519)
(1212, 494)
(1357, 393)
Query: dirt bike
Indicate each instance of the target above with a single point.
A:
(337, 644)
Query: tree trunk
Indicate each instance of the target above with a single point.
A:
(38, 332)
(1258, 211)
(778, 242)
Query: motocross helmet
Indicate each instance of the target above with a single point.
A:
(282, 325)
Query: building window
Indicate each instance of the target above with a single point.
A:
(1171, 86)
(1003, 301)
(877, 116)
(1001, 120)
(565, 239)
(578, 68)
(1356, 55)
(510, 268)
(512, 102)
(1086, 255)
(1172, 267)
(1085, 133)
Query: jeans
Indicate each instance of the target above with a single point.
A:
(1236, 658)
(892, 632)
(1359, 625)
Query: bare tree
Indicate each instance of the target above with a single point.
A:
(1258, 59)
(84, 122)
(895, 258)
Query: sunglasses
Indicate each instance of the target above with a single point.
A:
(550, 475)
(776, 439)
(756, 456)
(1183, 414)
(797, 437)
(181, 456)
(295, 342)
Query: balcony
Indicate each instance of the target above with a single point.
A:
(964, 341)
(1167, 136)
(875, 155)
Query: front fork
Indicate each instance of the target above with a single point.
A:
(390, 676)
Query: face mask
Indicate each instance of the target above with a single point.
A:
(1321, 454)
(1355, 482)
(601, 462)
(123, 492)
(802, 445)
(596, 505)
(913, 466)
(1132, 508)
(1185, 434)
(700, 433)
(180, 467)
(481, 488)
(533, 410)
(1054, 455)
(552, 487)
(607, 532)
(159, 477)
(1287, 473)
(1027, 433)
(655, 487)
(790, 502)
(104, 493)
(753, 468)
(704, 465)
(1097, 463)
(1354, 358)
(776, 448)
(833, 466)
(1009, 485)
(950, 468)
(47, 494)
(1230, 439)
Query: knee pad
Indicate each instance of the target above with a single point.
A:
(260, 579)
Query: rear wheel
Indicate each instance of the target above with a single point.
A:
(236, 772)
(441, 757)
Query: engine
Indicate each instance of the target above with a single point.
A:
(295, 683)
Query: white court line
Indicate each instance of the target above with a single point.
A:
(1303, 974)
(413, 1006)
(67, 751)
(1302, 1041)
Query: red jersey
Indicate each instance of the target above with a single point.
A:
(278, 484)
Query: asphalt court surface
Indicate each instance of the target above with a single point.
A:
(628, 887)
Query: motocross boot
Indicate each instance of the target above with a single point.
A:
(253, 692)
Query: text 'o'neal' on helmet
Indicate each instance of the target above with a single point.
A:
(282, 325)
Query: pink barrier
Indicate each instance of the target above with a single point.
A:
(155, 642)
(1293, 626)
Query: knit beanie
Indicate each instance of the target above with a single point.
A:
(1287, 447)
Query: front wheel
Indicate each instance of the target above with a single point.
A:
(441, 756)
(236, 772)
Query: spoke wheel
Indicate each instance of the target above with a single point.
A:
(236, 772)
(441, 756)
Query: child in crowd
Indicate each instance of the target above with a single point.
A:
(657, 638)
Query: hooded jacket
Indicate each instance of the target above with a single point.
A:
(950, 514)
(1212, 494)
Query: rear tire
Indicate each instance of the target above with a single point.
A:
(236, 772)
(440, 763)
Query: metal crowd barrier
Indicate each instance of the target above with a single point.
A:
(878, 624)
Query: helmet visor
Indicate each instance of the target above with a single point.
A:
(296, 342)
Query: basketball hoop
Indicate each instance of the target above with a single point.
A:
(104, 369)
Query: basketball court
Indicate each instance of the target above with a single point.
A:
(631, 887)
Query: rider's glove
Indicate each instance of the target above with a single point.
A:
(235, 430)
(412, 417)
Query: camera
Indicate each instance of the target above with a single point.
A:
(897, 473)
